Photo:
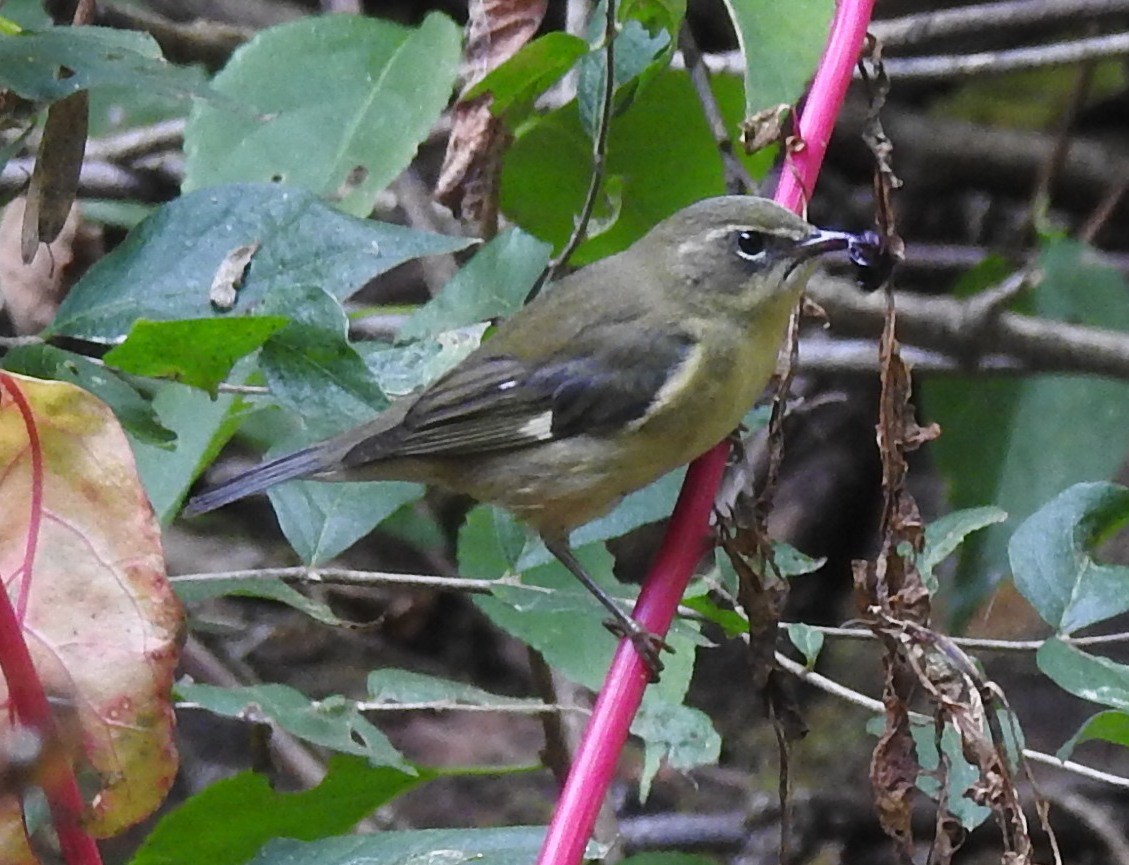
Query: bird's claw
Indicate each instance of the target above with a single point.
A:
(647, 645)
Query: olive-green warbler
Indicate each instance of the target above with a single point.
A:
(612, 377)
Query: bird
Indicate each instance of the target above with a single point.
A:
(613, 376)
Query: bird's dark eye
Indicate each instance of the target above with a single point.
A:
(750, 244)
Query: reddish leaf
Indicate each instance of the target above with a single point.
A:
(468, 180)
(81, 558)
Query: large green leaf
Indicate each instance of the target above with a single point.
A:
(533, 69)
(781, 43)
(1093, 678)
(341, 103)
(134, 412)
(323, 519)
(312, 369)
(494, 284)
(164, 269)
(513, 845)
(1018, 443)
(660, 154)
(98, 57)
(227, 822)
(202, 426)
(334, 722)
(1052, 563)
(200, 353)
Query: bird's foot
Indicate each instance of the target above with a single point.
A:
(647, 645)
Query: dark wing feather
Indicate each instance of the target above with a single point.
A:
(494, 403)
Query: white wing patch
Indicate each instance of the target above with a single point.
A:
(537, 428)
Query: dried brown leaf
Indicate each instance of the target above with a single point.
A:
(30, 293)
(229, 276)
(54, 180)
(468, 180)
(768, 126)
(893, 776)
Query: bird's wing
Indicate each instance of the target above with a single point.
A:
(597, 385)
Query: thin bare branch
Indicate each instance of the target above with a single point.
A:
(951, 326)
(349, 577)
(870, 704)
(943, 67)
(599, 152)
(1005, 16)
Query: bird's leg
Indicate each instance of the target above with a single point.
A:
(648, 645)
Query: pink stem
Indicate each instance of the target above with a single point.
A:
(688, 532)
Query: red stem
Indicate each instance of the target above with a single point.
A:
(27, 701)
(688, 532)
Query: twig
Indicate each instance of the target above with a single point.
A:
(350, 577)
(942, 324)
(203, 665)
(870, 704)
(599, 153)
(98, 180)
(141, 141)
(1103, 212)
(983, 644)
(209, 42)
(1050, 170)
(926, 26)
(943, 67)
(823, 354)
(737, 178)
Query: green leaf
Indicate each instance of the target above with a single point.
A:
(199, 353)
(514, 845)
(781, 44)
(164, 268)
(944, 535)
(662, 857)
(134, 412)
(312, 369)
(542, 195)
(808, 640)
(323, 519)
(98, 57)
(202, 426)
(654, 14)
(640, 508)
(267, 588)
(333, 722)
(404, 369)
(963, 776)
(681, 736)
(389, 687)
(536, 67)
(792, 563)
(639, 55)
(342, 104)
(494, 284)
(1108, 726)
(1018, 443)
(226, 823)
(551, 611)
(1051, 561)
(1090, 677)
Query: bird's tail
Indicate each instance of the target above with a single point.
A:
(298, 464)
